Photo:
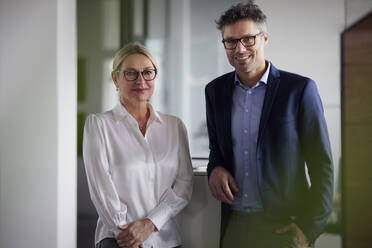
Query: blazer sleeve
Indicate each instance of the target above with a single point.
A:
(215, 155)
(315, 145)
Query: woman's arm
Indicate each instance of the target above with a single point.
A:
(101, 187)
(175, 198)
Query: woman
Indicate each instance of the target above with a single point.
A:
(137, 161)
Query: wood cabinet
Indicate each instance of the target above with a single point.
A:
(357, 134)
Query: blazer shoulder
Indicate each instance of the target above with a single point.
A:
(295, 84)
(220, 81)
(286, 76)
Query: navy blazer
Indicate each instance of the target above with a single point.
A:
(292, 132)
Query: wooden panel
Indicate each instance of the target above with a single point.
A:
(358, 93)
(357, 134)
(351, 243)
(357, 42)
(358, 210)
(358, 152)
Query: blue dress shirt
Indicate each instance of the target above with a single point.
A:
(245, 121)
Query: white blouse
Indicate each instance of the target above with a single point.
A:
(131, 176)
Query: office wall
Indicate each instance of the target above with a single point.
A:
(355, 10)
(37, 123)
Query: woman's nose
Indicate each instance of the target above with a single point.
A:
(140, 79)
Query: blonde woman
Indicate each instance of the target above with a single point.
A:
(137, 161)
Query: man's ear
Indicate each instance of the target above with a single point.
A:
(266, 37)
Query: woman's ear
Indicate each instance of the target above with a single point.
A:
(114, 78)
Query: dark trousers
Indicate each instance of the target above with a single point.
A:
(108, 243)
(254, 230)
(111, 243)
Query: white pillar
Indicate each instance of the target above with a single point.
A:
(179, 60)
(66, 126)
(37, 123)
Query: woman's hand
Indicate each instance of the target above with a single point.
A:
(133, 234)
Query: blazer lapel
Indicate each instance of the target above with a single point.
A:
(227, 114)
(272, 88)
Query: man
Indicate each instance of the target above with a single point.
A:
(264, 124)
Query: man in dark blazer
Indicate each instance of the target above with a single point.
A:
(266, 129)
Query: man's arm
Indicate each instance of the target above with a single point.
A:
(221, 182)
(317, 152)
(215, 156)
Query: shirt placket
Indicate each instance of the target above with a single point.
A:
(253, 142)
(145, 142)
(151, 163)
(246, 143)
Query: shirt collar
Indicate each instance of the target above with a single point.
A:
(154, 115)
(121, 113)
(263, 79)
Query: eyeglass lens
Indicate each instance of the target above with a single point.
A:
(133, 75)
(246, 41)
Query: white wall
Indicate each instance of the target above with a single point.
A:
(37, 125)
(356, 9)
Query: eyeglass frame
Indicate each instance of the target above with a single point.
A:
(138, 72)
(240, 40)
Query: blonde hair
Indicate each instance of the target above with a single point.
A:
(129, 49)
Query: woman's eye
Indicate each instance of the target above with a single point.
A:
(131, 73)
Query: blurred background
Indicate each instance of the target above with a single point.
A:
(56, 59)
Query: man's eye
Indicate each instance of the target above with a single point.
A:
(247, 39)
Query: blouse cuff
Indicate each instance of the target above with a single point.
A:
(159, 215)
(119, 220)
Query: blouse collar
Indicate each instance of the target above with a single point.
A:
(121, 113)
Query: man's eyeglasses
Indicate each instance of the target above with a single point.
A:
(246, 41)
(132, 75)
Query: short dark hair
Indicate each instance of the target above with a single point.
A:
(240, 11)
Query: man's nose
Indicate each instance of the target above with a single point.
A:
(240, 47)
